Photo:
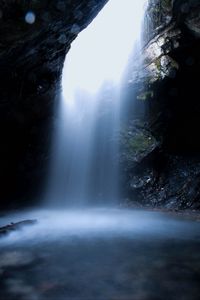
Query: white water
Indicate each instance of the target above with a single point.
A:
(85, 168)
(97, 223)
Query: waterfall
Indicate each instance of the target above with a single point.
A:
(85, 168)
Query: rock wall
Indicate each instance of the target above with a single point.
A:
(166, 89)
(34, 39)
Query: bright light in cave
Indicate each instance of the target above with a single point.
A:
(104, 46)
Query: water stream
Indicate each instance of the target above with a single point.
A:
(85, 163)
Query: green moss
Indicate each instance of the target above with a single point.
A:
(145, 95)
(158, 64)
(174, 64)
(167, 4)
(140, 143)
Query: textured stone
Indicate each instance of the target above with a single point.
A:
(193, 22)
(136, 144)
(167, 85)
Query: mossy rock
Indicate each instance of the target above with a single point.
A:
(140, 142)
(167, 4)
(136, 144)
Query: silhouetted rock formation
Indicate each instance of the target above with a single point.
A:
(35, 37)
(15, 226)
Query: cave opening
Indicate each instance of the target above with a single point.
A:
(100, 100)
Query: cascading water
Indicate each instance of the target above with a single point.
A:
(96, 253)
(85, 169)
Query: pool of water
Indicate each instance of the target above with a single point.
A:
(105, 254)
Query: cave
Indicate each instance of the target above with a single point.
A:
(100, 149)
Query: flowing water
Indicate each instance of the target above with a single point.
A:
(85, 253)
(85, 164)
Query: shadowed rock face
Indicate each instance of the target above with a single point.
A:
(35, 37)
(167, 88)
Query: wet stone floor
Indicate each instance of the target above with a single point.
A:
(152, 257)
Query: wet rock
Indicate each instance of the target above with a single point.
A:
(138, 182)
(78, 14)
(163, 33)
(75, 29)
(60, 5)
(176, 186)
(193, 22)
(166, 84)
(158, 17)
(136, 144)
(62, 39)
(15, 226)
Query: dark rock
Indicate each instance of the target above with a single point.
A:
(139, 182)
(176, 185)
(35, 38)
(167, 84)
(193, 22)
(136, 143)
(15, 226)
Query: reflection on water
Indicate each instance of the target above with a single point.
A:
(101, 254)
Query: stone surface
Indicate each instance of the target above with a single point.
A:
(163, 93)
(136, 144)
